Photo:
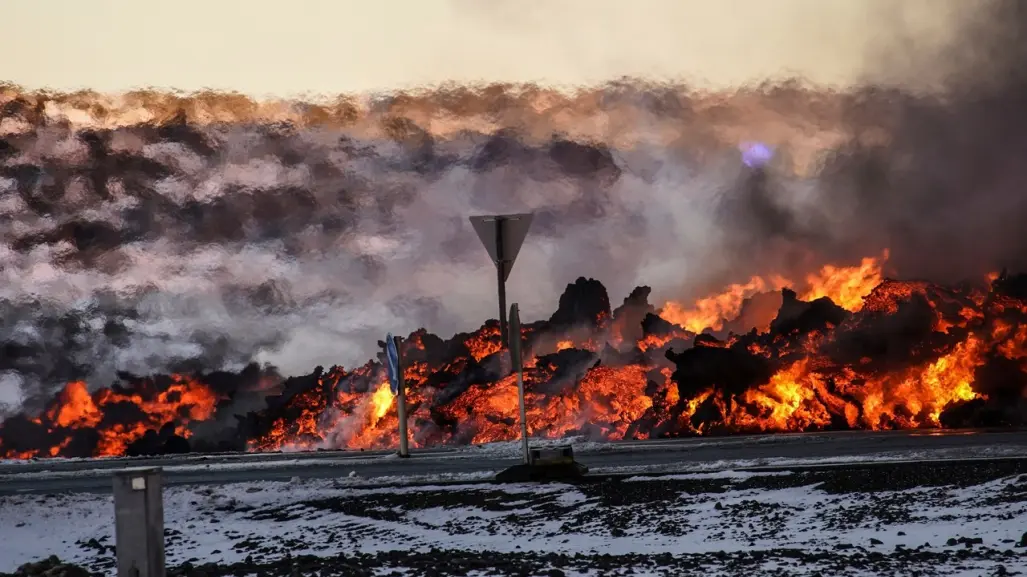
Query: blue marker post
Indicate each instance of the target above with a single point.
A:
(395, 369)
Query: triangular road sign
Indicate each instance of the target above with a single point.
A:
(502, 236)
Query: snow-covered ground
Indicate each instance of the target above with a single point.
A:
(928, 519)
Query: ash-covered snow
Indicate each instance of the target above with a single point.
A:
(929, 519)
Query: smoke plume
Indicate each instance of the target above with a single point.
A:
(153, 232)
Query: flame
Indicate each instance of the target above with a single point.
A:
(845, 286)
(381, 401)
(797, 398)
(711, 312)
(76, 408)
(656, 341)
(183, 401)
(787, 402)
(637, 393)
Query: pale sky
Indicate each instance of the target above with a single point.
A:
(279, 47)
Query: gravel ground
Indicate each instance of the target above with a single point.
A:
(913, 519)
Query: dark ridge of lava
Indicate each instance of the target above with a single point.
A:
(585, 355)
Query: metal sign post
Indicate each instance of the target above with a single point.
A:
(398, 386)
(515, 354)
(502, 236)
(539, 464)
(139, 522)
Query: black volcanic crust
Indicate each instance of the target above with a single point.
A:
(890, 334)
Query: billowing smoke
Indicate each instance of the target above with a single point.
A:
(940, 185)
(180, 244)
(947, 191)
(153, 233)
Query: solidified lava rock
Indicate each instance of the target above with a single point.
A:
(796, 316)
(571, 366)
(901, 333)
(1014, 286)
(583, 303)
(163, 442)
(21, 434)
(628, 317)
(655, 325)
(50, 567)
(1001, 379)
(709, 365)
(977, 413)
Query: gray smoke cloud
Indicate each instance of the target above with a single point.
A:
(149, 249)
(215, 234)
(940, 186)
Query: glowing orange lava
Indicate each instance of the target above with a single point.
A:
(613, 389)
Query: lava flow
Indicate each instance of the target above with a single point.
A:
(847, 350)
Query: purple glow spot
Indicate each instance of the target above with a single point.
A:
(756, 154)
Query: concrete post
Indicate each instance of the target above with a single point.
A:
(139, 522)
(515, 356)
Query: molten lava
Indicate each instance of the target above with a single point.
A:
(847, 349)
(116, 419)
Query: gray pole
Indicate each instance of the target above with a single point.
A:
(501, 279)
(515, 353)
(401, 404)
(139, 523)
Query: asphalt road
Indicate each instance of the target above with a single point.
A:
(679, 455)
